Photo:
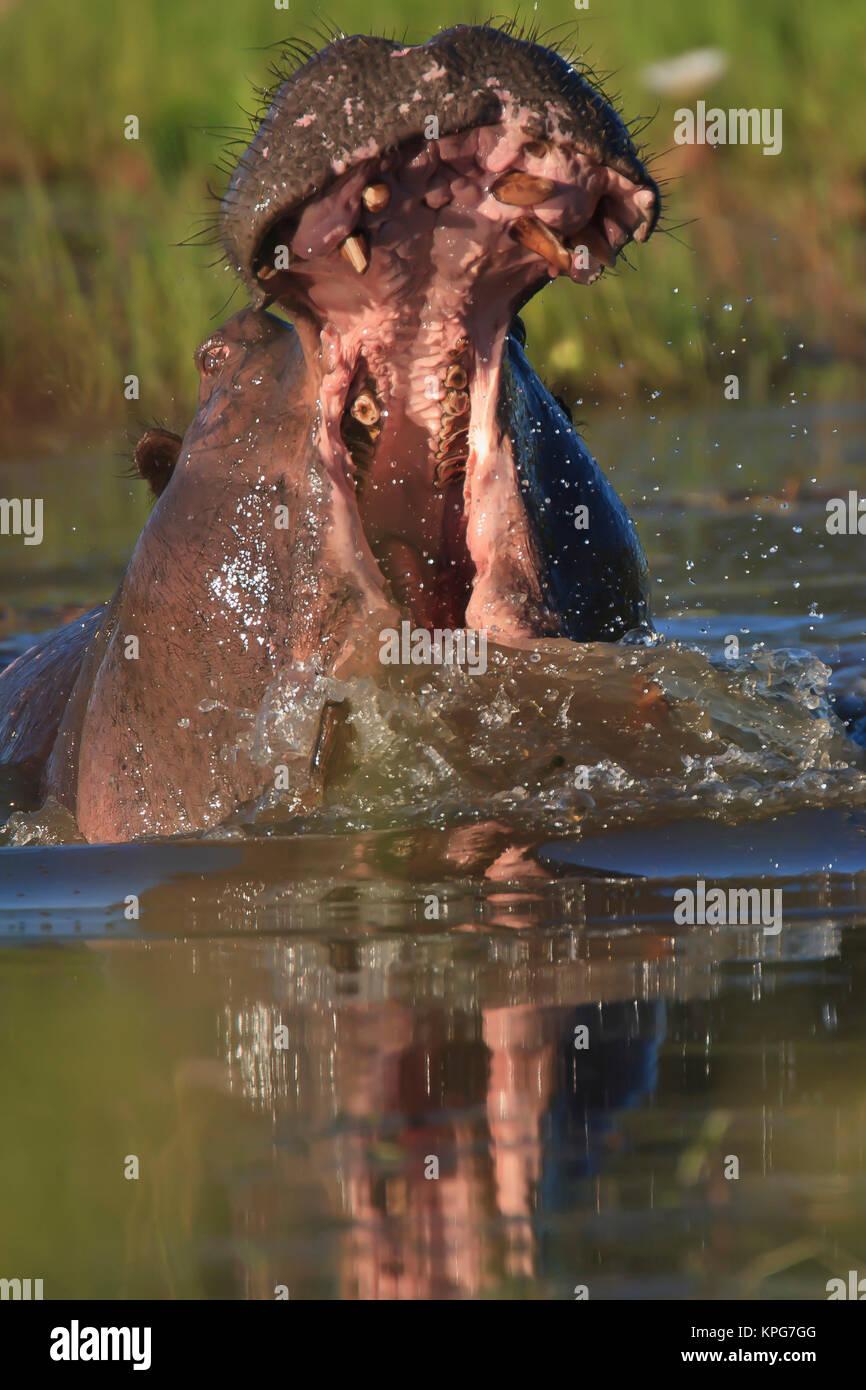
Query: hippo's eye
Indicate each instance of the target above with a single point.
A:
(211, 356)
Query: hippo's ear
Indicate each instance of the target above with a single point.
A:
(156, 454)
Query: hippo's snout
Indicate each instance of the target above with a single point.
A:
(361, 100)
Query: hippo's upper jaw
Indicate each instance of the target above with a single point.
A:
(403, 203)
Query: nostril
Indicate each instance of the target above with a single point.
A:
(275, 254)
(613, 222)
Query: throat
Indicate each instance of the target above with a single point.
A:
(407, 413)
(409, 464)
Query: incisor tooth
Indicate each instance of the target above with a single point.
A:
(522, 190)
(354, 248)
(376, 196)
(535, 236)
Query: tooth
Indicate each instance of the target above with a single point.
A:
(354, 248)
(596, 245)
(452, 425)
(522, 190)
(452, 428)
(535, 236)
(455, 403)
(449, 469)
(451, 449)
(376, 196)
(455, 376)
(365, 409)
(460, 346)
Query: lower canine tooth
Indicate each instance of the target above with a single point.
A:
(376, 196)
(535, 236)
(354, 248)
(522, 190)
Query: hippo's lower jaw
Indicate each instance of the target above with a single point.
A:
(402, 273)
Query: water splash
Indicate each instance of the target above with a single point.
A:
(591, 736)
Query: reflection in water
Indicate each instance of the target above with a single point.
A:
(496, 1102)
(330, 1091)
(404, 1052)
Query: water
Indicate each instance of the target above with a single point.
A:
(291, 1024)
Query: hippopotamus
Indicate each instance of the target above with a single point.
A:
(387, 454)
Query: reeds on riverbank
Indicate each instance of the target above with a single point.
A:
(766, 279)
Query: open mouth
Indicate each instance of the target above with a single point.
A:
(404, 267)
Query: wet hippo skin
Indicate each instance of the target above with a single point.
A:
(390, 455)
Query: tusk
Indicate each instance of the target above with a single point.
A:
(354, 248)
(522, 190)
(536, 237)
(376, 196)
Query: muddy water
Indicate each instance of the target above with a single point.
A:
(466, 960)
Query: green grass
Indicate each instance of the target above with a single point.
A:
(95, 285)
